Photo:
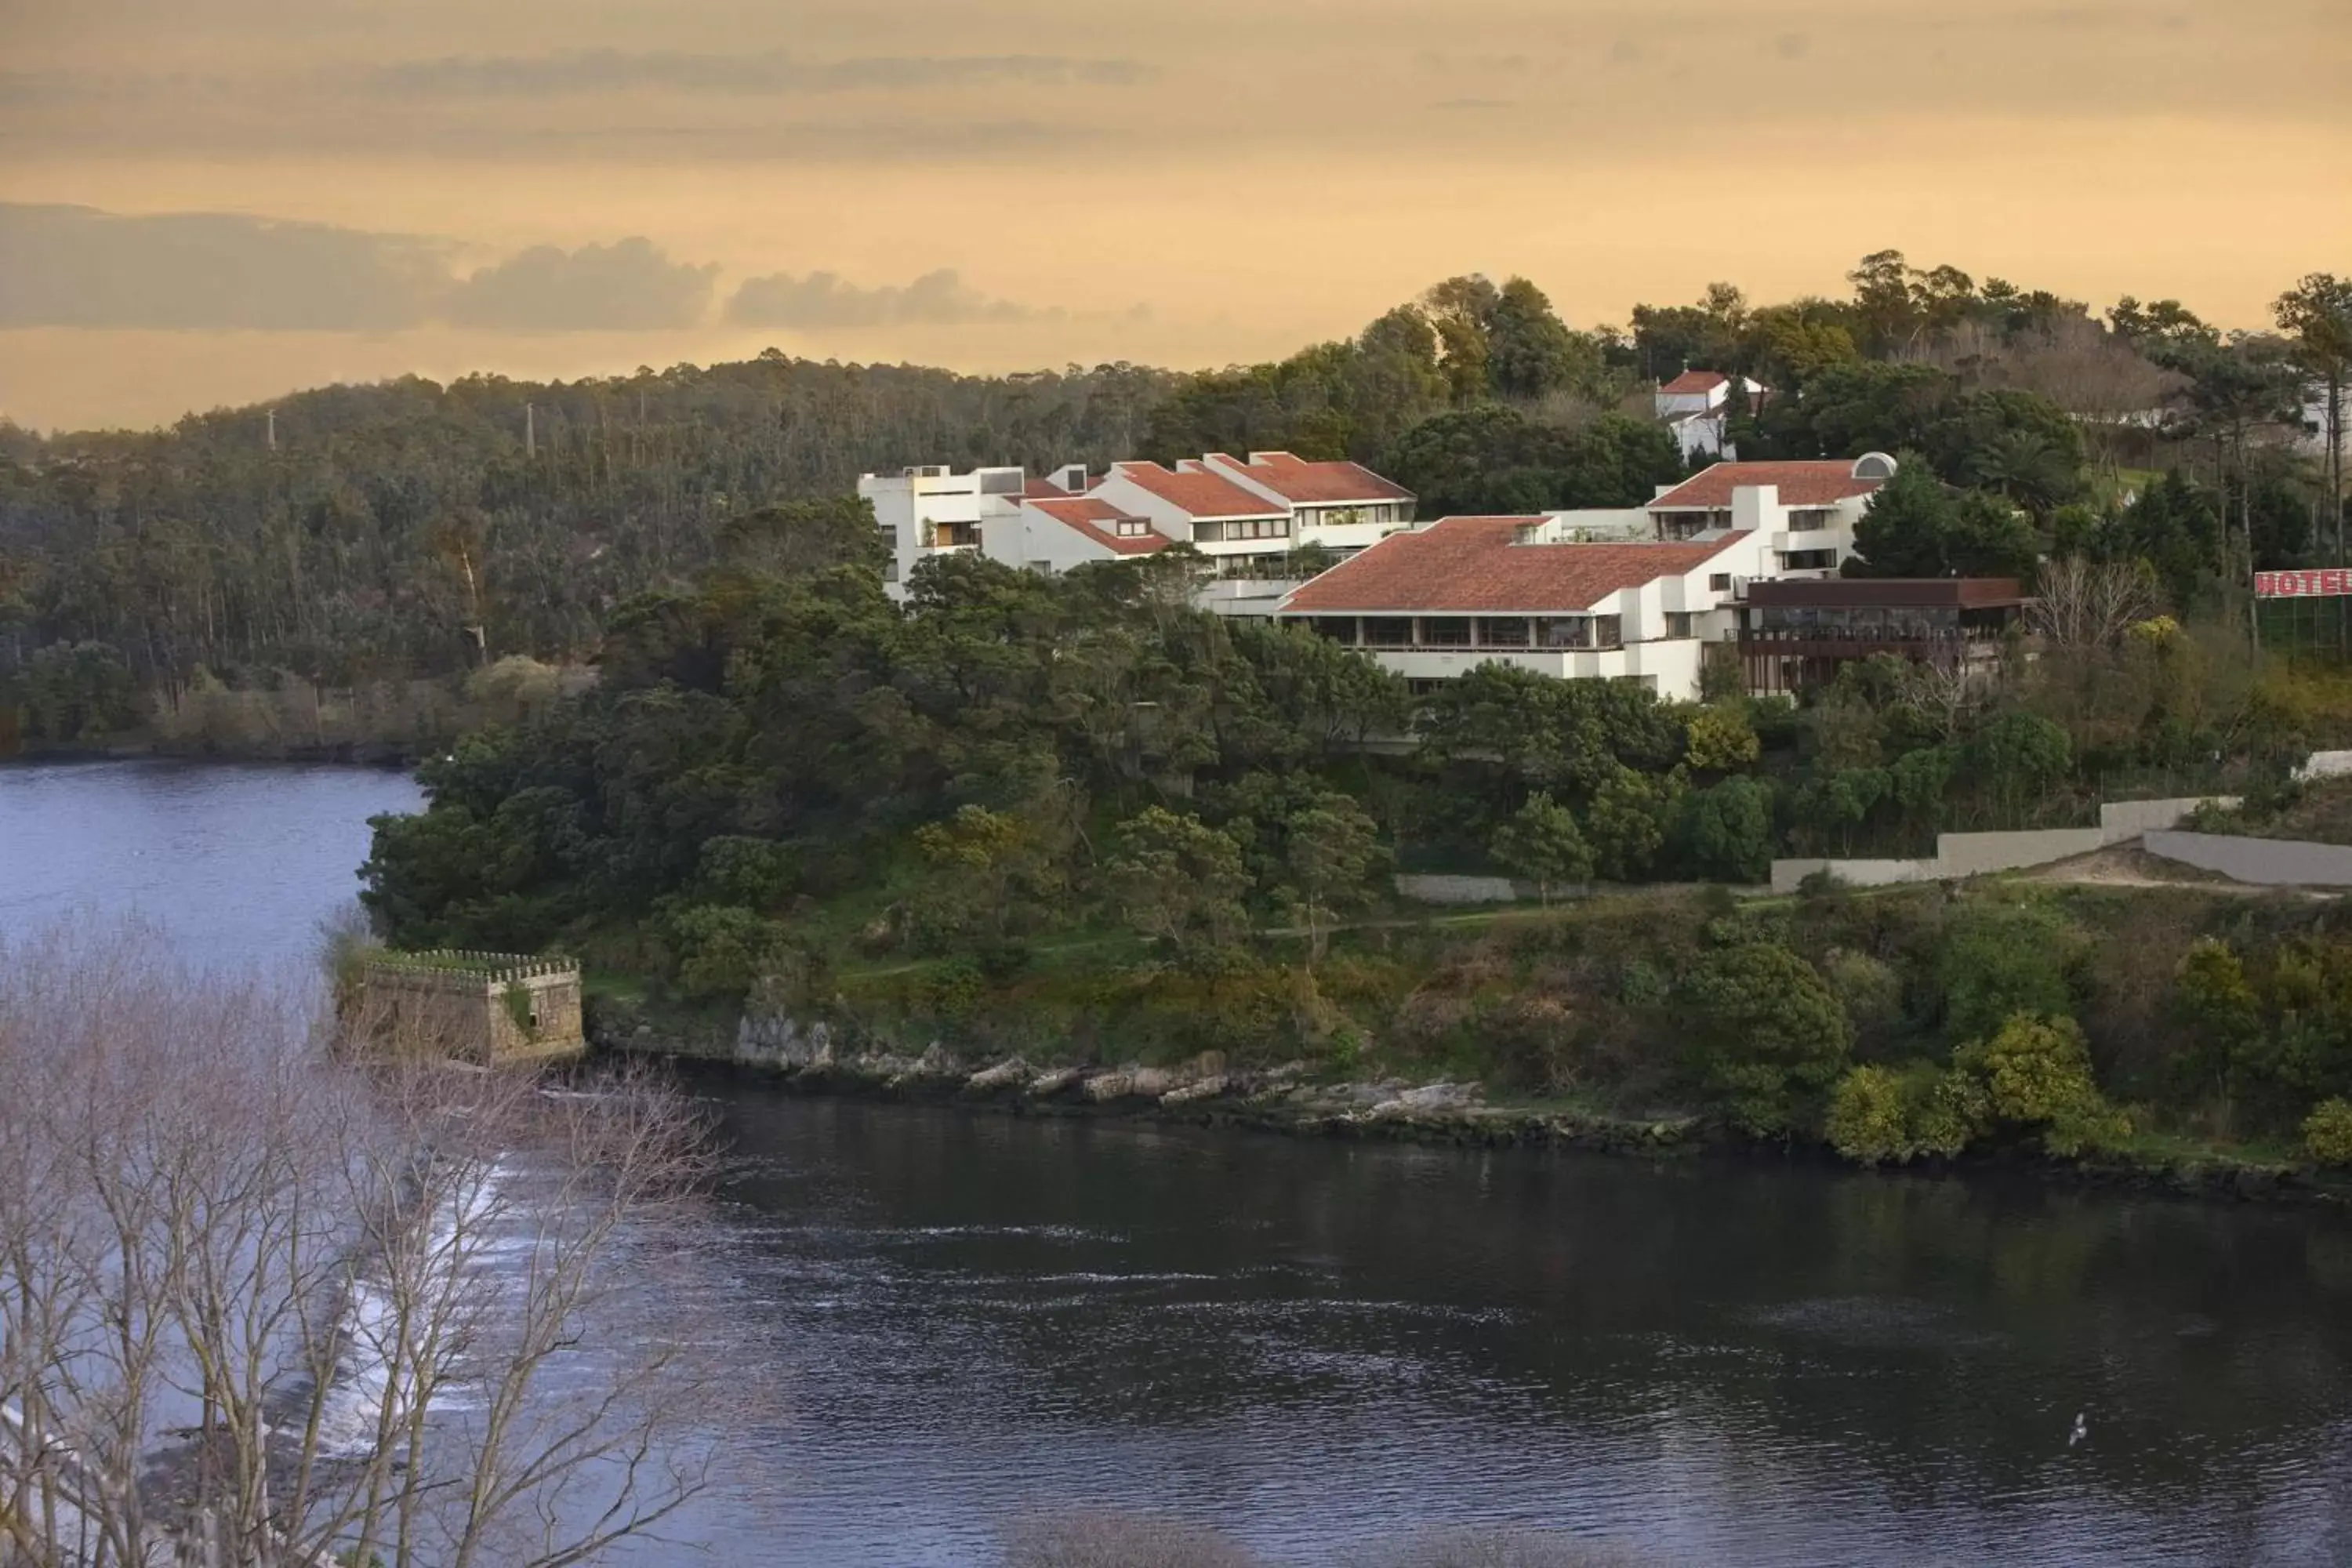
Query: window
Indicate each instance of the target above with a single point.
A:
(1133, 528)
(1444, 632)
(1339, 628)
(1678, 623)
(1608, 631)
(1809, 560)
(1718, 582)
(1394, 631)
(1502, 632)
(1564, 631)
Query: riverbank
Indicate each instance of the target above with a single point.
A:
(1292, 1099)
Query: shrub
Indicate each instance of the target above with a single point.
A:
(721, 948)
(2328, 1132)
(1866, 1123)
(2036, 1073)
(1879, 1114)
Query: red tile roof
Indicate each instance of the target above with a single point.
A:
(1099, 521)
(1470, 565)
(1313, 484)
(1203, 496)
(1693, 381)
(1801, 484)
(1035, 489)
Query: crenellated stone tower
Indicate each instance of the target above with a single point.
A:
(492, 1008)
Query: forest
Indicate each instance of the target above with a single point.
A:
(253, 576)
(1076, 813)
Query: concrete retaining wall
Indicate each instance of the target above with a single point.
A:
(2325, 765)
(1963, 855)
(2123, 820)
(2260, 862)
(1455, 891)
(1983, 854)
(1787, 874)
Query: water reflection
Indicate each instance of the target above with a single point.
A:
(1313, 1345)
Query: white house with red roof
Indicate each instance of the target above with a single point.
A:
(1803, 512)
(1248, 517)
(1053, 531)
(1336, 506)
(1697, 406)
(1436, 603)
(1539, 592)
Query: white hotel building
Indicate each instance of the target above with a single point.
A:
(1247, 517)
(1436, 603)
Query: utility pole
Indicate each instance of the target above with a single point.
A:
(272, 418)
(529, 431)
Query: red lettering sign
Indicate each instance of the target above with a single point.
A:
(2330, 583)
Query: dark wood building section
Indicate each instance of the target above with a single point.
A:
(1797, 633)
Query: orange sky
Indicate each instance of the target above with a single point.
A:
(219, 201)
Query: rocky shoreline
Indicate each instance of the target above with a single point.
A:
(1285, 1098)
(1289, 1100)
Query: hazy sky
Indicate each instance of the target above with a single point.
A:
(211, 201)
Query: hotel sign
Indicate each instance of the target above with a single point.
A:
(2334, 583)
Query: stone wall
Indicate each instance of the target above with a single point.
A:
(462, 1010)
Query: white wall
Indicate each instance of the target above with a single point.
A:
(1030, 538)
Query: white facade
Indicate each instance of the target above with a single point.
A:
(1325, 515)
(933, 511)
(1804, 513)
(1435, 604)
(1654, 630)
(1044, 534)
(1699, 405)
(1246, 517)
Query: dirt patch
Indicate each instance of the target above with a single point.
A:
(2130, 865)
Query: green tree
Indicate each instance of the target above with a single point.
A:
(1905, 531)
(1333, 849)
(1530, 351)
(2019, 757)
(1998, 961)
(1627, 822)
(720, 949)
(1542, 844)
(1768, 1036)
(1727, 830)
(1177, 879)
(1720, 740)
(2317, 313)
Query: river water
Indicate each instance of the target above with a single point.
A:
(1317, 1347)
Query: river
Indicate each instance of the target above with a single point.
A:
(1317, 1347)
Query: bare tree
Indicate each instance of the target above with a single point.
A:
(262, 1307)
(2081, 604)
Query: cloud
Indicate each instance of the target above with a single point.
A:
(823, 301)
(630, 286)
(752, 75)
(78, 267)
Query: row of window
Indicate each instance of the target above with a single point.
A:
(1549, 633)
(1244, 528)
